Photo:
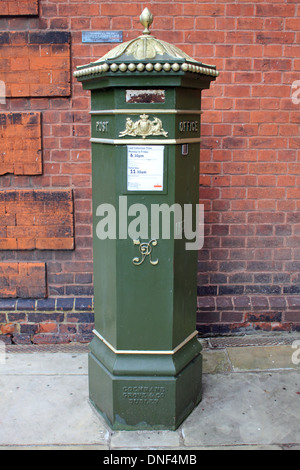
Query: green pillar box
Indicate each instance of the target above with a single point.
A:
(145, 361)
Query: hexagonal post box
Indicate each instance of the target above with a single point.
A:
(145, 361)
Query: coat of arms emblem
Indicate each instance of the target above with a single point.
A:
(143, 127)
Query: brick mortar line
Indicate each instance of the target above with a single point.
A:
(50, 305)
(233, 304)
(248, 302)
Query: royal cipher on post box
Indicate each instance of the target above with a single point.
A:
(145, 364)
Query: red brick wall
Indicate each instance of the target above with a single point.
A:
(21, 143)
(35, 64)
(19, 7)
(36, 220)
(249, 269)
(22, 280)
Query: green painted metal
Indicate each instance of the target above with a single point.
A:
(145, 364)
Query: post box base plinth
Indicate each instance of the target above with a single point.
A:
(145, 402)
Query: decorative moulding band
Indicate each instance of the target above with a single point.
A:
(96, 140)
(141, 67)
(143, 352)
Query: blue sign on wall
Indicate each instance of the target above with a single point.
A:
(102, 36)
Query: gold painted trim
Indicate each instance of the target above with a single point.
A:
(96, 140)
(145, 249)
(144, 352)
(87, 71)
(146, 111)
(146, 20)
(143, 127)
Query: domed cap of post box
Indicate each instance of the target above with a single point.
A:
(145, 54)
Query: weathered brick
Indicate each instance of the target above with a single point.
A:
(206, 303)
(23, 280)
(32, 70)
(49, 338)
(224, 303)
(19, 8)
(41, 219)
(50, 37)
(48, 327)
(266, 317)
(20, 143)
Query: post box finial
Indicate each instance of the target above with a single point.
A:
(146, 20)
(128, 57)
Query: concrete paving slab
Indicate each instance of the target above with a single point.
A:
(44, 364)
(246, 408)
(262, 358)
(142, 439)
(215, 362)
(48, 410)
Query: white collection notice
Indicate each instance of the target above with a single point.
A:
(145, 167)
